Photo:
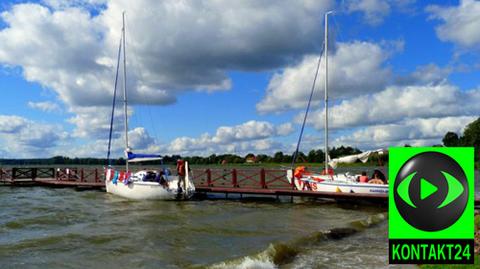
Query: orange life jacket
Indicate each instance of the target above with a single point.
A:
(299, 171)
(363, 179)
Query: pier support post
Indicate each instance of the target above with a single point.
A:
(234, 178)
(209, 178)
(262, 179)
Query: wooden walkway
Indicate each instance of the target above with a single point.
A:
(270, 182)
(51, 182)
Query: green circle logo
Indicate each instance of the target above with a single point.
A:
(431, 191)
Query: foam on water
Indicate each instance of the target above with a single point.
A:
(246, 263)
(298, 253)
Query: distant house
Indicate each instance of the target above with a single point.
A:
(251, 159)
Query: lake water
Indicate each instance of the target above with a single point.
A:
(64, 228)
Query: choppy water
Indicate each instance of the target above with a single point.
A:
(64, 228)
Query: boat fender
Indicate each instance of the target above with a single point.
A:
(109, 174)
(115, 178)
(128, 176)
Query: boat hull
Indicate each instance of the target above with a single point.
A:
(146, 190)
(335, 183)
(332, 186)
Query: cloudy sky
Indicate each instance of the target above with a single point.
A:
(223, 76)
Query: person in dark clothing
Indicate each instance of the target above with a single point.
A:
(377, 174)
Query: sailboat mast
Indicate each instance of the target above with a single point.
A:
(326, 90)
(125, 86)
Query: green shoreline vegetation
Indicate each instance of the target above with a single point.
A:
(314, 157)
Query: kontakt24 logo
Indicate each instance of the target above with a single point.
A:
(431, 205)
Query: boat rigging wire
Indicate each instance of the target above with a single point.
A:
(113, 105)
(295, 155)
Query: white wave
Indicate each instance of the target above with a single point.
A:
(247, 263)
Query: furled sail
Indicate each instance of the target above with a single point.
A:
(363, 157)
(137, 157)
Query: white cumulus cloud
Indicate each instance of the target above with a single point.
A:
(355, 68)
(374, 10)
(23, 138)
(460, 24)
(416, 132)
(45, 106)
(172, 46)
(397, 103)
(249, 136)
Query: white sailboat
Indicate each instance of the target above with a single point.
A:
(331, 182)
(328, 181)
(145, 184)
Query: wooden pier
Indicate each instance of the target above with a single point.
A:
(247, 181)
(64, 177)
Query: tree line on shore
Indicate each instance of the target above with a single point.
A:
(314, 156)
(469, 138)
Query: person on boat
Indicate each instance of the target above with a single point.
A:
(363, 178)
(378, 178)
(299, 172)
(161, 178)
(181, 174)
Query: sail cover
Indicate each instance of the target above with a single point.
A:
(135, 157)
(363, 157)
